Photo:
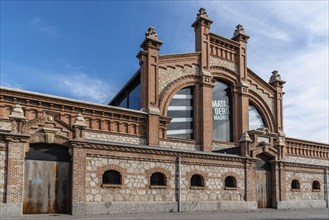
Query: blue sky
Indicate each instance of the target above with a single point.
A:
(87, 49)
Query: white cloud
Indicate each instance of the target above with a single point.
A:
(82, 86)
(65, 80)
(37, 24)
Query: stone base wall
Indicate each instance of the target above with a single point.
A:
(136, 187)
(135, 181)
(305, 192)
(301, 204)
(103, 208)
(10, 209)
(214, 187)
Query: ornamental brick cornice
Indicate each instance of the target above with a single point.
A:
(254, 79)
(304, 143)
(61, 104)
(286, 165)
(224, 42)
(179, 59)
(17, 138)
(110, 146)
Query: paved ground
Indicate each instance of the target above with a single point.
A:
(268, 214)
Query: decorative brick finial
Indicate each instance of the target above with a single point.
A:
(239, 30)
(151, 39)
(79, 121)
(202, 13)
(202, 18)
(17, 112)
(151, 33)
(240, 34)
(276, 78)
(245, 137)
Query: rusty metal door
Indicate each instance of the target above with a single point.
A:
(47, 180)
(263, 189)
(47, 187)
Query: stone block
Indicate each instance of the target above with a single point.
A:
(295, 204)
(10, 209)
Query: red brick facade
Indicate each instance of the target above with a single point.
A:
(136, 143)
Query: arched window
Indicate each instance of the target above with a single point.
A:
(112, 177)
(230, 182)
(221, 112)
(181, 111)
(158, 179)
(316, 185)
(295, 184)
(197, 180)
(255, 118)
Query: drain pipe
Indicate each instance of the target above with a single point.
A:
(326, 186)
(179, 184)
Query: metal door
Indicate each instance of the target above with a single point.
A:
(47, 180)
(263, 188)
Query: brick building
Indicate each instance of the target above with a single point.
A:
(188, 132)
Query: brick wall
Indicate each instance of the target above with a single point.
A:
(3, 172)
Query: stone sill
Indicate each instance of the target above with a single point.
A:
(158, 187)
(228, 143)
(295, 190)
(197, 187)
(179, 140)
(112, 186)
(316, 190)
(230, 188)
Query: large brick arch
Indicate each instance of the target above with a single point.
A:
(225, 74)
(173, 88)
(263, 109)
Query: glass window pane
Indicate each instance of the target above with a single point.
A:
(180, 110)
(221, 110)
(124, 103)
(135, 98)
(255, 118)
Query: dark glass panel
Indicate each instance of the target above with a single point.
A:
(230, 181)
(181, 102)
(180, 114)
(197, 180)
(180, 126)
(316, 185)
(49, 152)
(295, 184)
(181, 111)
(255, 118)
(135, 98)
(124, 103)
(221, 111)
(111, 177)
(158, 179)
